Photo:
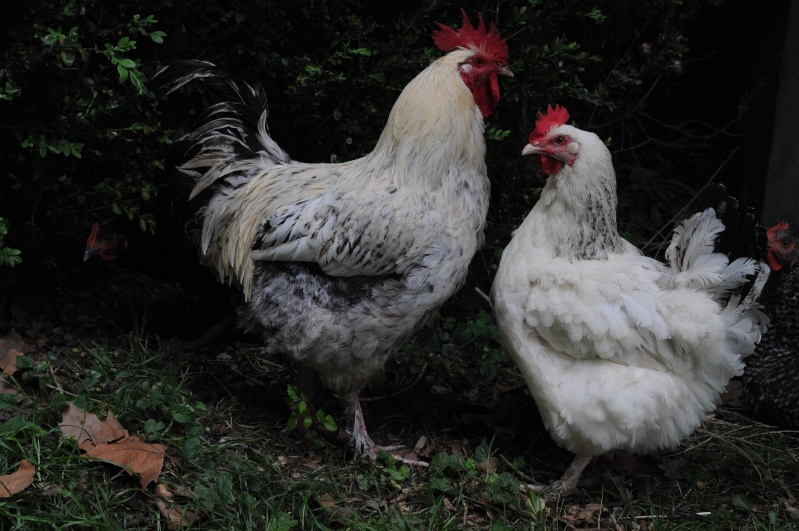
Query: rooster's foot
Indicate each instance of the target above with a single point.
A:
(364, 445)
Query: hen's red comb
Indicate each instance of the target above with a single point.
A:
(447, 39)
(776, 229)
(92, 239)
(553, 118)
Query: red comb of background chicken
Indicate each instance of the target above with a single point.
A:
(447, 39)
(773, 231)
(553, 118)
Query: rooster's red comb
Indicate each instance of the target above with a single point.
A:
(553, 118)
(447, 39)
(776, 229)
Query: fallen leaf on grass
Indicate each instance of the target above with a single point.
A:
(10, 350)
(13, 483)
(132, 454)
(107, 440)
(87, 426)
(176, 516)
(12, 341)
(327, 499)
(8, 362)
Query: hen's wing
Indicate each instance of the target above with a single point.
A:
(636, 311)
(614, 310)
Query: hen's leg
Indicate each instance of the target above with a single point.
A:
(567, 483)
(359, 437)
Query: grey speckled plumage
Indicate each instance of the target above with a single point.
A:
(771, 376)
(338, 263)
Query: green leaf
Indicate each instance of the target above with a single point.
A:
(742, 501)
(67, 57)
(123, 73)
(24, 362)
(330, 424)
(8, 401)
(292, 392)
(191, 447)
(182, 417)
(14, 425)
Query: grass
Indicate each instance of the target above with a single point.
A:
(231, 461)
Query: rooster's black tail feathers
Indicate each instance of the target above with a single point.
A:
(229, 129)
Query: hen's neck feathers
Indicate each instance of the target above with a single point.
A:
(578, 202)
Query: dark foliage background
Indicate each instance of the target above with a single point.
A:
(84, 138)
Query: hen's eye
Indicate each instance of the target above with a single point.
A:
(559, 140)
(478, 61)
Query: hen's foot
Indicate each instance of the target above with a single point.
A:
(566, 484)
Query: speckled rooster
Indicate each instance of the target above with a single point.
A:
(620, 351)
(340, 263)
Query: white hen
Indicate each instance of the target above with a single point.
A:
(620, 351)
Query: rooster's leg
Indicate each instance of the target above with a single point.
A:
(567, 483)
(359, 437)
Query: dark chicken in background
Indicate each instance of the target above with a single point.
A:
(339, 264)
(105, 244)
(188, 302)
(771, 377)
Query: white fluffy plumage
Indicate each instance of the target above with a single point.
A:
(620, 351)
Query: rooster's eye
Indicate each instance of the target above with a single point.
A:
(478, 61)
(559, 140)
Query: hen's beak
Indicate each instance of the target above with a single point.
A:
(530, 149)
(505, 71)
(89, 252)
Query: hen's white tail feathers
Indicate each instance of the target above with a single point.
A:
(690, 254)
(695, 264)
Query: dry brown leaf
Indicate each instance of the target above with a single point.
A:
(12, 341)
(176, 516)
(84, 426)
(132, 454)
(8, 362)
(327, 499)
(21, 479)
